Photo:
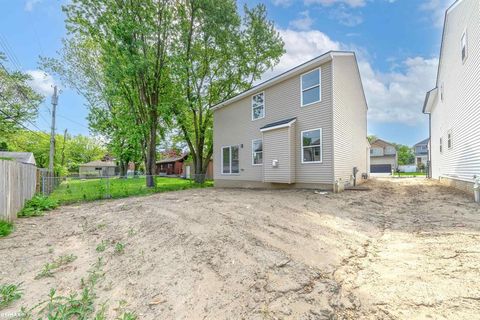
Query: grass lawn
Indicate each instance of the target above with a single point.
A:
(410, 174)
(76, 190)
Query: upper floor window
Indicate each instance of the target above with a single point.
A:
(441, 145)
(449, 139)
(230, 162)
(257, 152)
(258, 106)
(312, 146)
(464, 46)
(390, 150)
(441, 92)
(311, 91)
(376, 151)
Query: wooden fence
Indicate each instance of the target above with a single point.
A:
(17, 185)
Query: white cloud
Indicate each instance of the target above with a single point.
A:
(303, 23)
(394, 96)
(282, 3)
(30, 4)
(41, 82)
(351, 3)
(345, 17)
(436, 10)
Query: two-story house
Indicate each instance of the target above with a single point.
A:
(421, 153)
(383, 157)
(454, 104)
(305, 128)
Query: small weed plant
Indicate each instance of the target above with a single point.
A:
(9, 293)
(101, 246)
(48, 268)
(119, 248)
(37, 205)
(5, 228)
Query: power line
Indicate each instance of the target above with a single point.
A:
(10, 105)
(10, 54)
(20, 124)
(73, 121)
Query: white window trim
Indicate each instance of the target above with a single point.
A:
(230, 164)
(321, 146)
(264, 105)
(319, 87)
(253, 153)
(464, 34)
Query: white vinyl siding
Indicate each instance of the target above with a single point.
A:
(311, 146)
(257, 152)
(311, 87)
(258, 106)
(459, 111)
(449, 139)
(230, 160)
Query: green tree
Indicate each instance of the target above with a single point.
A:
(79, 68)
(18, 101)
(217, 55)
(134, 42)
(405, 154)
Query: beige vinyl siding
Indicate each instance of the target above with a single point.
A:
(291, 145)
(233, 125)
(460, 109)
(349, 120)
(276, 147)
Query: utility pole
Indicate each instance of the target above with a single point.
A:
(52, 134)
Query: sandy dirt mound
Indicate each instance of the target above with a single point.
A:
(406, 249)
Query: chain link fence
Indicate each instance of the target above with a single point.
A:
(76, 189)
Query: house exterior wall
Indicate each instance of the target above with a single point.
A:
(459, 111)
(278, 145)
(233, 125)
(350, 147)
(391, 160)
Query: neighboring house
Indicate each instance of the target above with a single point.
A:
(171, 166)
(383, 157)
(97, 168)
(421, 153)
(305, 128)
(454, 104)
(22, 157)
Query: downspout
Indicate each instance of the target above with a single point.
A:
(430, 145)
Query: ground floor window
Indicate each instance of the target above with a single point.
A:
(257, 152)
(230, 161)
(311, 146)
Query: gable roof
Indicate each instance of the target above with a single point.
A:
(173, 159)
(98, 163)
(278, 124)
(381, 143)
(23, 157)
(328, 56)
(422, 143)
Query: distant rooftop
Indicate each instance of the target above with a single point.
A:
(23, 157)
(98, 163)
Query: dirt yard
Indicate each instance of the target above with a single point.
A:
(407, 249)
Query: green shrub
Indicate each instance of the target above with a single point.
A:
(9, 293)
(5, 228)
(37, 205)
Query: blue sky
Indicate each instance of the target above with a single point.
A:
(397, 44)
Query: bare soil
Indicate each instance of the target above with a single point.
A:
(407, 249)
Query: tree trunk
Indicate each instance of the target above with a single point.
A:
(150, 166)
(199, 172)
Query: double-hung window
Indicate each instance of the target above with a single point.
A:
(464, 46)
(257, 152)
(230, 162)
(258, 106)
(312, 146)
(449, 139)
(441, 145)
(311, 88)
